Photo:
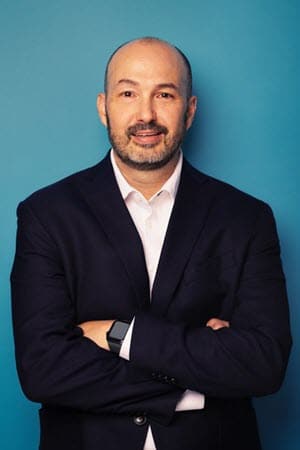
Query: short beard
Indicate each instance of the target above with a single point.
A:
(152, 163)
(146, 165)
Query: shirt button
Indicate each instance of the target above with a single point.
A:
(140, 420)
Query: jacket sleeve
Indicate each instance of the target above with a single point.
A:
(56, 364)
(247, 359)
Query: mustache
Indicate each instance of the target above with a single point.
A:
(151, 126)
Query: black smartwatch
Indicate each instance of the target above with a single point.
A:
(116, 335)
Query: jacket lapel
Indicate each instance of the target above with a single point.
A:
(188, 217)
(101, 192)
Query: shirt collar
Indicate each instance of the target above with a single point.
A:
(170, 186)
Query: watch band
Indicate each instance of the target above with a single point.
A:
(114, 347)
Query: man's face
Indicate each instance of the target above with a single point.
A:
(146, 109)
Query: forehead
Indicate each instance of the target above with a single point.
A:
(147, 62)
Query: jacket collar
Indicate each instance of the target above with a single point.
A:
(187, 220)
(100, 190)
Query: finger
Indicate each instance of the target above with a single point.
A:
(217, 324)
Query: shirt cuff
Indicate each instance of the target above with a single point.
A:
(125, 347)
(190, 400)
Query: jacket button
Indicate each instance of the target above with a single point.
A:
(140, 420)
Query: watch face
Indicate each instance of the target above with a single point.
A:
(119, 330)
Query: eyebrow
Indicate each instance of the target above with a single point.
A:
(127, 81)
(168, 86)
(159, 86)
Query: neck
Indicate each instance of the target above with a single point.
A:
(147, 182)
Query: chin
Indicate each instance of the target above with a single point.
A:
(151, 162)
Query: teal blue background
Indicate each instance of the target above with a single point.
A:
(245, 57)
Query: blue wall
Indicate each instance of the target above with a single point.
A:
(245, 56)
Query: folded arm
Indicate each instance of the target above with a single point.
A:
(96, 330)
(57, 365)
(248, 358)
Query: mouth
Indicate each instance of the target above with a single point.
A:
(147, 135)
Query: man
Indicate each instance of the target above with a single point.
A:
(149, 302)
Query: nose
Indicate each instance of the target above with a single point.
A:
(146, 111)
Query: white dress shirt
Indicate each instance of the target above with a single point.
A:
(151, 218)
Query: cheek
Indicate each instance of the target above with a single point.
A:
(178, 125)
(119, 121)
(168, 119)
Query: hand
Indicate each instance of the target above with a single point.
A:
(96, 331)
(216, 324)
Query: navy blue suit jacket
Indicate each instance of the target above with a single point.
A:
(79, 257)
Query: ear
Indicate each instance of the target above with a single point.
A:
(102, 108)
(191, 110)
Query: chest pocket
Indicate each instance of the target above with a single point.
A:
(213, 268)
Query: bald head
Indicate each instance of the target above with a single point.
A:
(136, 47)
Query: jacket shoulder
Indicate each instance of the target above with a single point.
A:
(223, 189)
(61, 191)
(228, 201)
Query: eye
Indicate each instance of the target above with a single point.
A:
(165, 95)
(127, 94)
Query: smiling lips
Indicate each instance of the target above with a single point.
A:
(147, 137)
(147, 134)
